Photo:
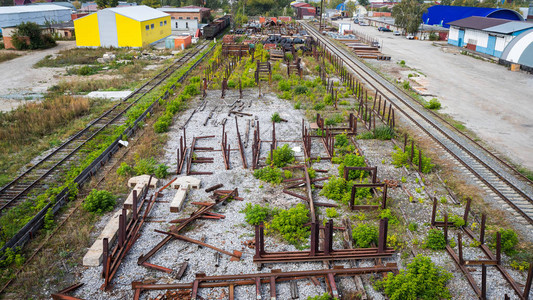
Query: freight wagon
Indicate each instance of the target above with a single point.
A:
(217, 26)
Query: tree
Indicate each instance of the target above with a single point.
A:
(364, 2)
(446, 2)
(333, 3)
(106, 3)
(151, 3)
(351, 7)
(77, 4)
(31, 31)
(408, 15)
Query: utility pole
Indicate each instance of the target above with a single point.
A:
(321, 12)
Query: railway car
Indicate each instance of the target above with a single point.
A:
(217, 26)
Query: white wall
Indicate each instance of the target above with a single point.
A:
(177, 24)
(453, 33)
(481, 38)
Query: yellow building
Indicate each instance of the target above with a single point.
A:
(132, 26)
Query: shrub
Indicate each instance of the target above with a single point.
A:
(163, 123)
(282, 156)
(277, 77)
(412, 226)
(231, 84)
(334, 120)
(289, 223)
(255, 214)
(353, 160)
(161, 171)
(406, 85)
(275, 117)
(284, 85)
(433, 36)
(387, 213)
(287, 174)
(49, 220)
(337, 189)
(341, 140)
(328, 99)
(144, 166)
(124, 169)
(191, 90)
(367, 135)
(298, 104)
(383, 133)
(324, 296)
(401, 158)
(364, 235)
(509, 241)
(33, 32)
(319, 106)
(331, 212)
(285, 95)
(11, 256)
(456, 220)
(435, 240)
(99, 202)
(433, 104)
(421, 280)
(269, 174)
(300, 89)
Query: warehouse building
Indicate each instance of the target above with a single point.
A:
(11, 16)
(520, 51)
(187, 17)
(486, 35)
(442, 15)
(134, 26)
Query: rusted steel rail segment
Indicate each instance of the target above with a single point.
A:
(201, 212)
(257, 279)
(492, 171)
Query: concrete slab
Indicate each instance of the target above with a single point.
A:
(138, 183)
(115, 95)
(93, 257)
(183, 184)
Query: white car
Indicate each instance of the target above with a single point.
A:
(396, 33)
(410, 37)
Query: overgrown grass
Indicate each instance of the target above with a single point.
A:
(90, 85)
(82, 56)
(8, 56)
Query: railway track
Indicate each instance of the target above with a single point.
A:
(46, 172)
(502, 180)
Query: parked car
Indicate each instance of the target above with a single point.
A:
(363, 24)
(336, 18)
(384, 29)
(355, 21)
(396, 33)
(410, 37)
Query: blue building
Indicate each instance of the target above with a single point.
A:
(485, 35)
(441, 15)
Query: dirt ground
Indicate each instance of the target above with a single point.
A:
(492, 101)
(20, 82)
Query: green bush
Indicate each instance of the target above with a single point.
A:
(412, 226)
(163, 123)
(283, 156)
(10, 257)
(433, 104)
(331, 212)
(277, 77)
(300, 89)
(287, 174)
(33, 31)
(401, 158)
(269, 174)
(383, 133)
(334, 120)
(255, 214)
(275, 118)
(319, 106)
(298, 104)
(124, 169)
(324, 296)
(456, 220)
(341, 140)
(406, 85)
(161, 171)
(353, 160)
(99, 202)
(435, 240)
(231, 84)
(509, 241)
(387, 213)
(144, 166)
(191, 90)
(364, 235)
(49, 220)
(284, 85)
(328, 99)
(367, 135)
(289, 223)
(421, 280)
(285, 95)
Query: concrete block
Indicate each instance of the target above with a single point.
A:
(93, 257)
(138, 183)
(183, 184)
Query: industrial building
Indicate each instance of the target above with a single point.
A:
(134, 26)
(520, 51)
(423, 33)
(442, 15)
(11, 16)
(187, 17)
(486, 35)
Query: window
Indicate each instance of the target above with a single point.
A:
(188, 18)
(147, 27)
(196, 18)
(171, 18)
(152, 26)
(181, 18)
(160, 23)
(165, 22)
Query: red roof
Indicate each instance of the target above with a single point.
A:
(197, 7)
(302, 4)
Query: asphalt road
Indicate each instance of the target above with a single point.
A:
(493, 102)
